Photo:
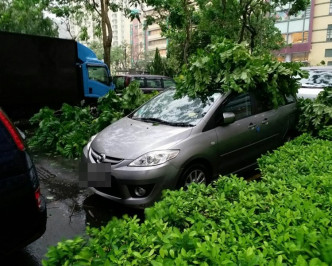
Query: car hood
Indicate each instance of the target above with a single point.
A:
(129, 139)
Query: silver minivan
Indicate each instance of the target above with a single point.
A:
(169, 143)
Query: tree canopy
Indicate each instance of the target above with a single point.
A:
(26, 16)
(98, 13)
(192, 24)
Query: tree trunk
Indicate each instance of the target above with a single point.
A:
(107, 31)
(188, 31)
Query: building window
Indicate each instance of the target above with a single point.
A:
(297, 37)
(329, 33)
(329, 63)
(328, 52)
(331, 7)
(299, 57)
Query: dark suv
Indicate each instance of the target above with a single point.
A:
(22, 207)
(148, 83)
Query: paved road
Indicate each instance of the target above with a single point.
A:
(70, 209)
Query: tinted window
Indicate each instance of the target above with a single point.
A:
(99, 74)
(141, 81)
(168, 83)
(240, 105)
(260, 104)
(153, 83)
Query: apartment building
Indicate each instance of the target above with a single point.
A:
(309, 33)
(321, 49)
(145, 41)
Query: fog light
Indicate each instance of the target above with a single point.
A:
(139, 191)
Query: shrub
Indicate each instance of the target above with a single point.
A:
(283, 219)
(316, 115)
(67, 131)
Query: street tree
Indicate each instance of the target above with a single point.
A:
(98, 13)
(26, 16)
(157, 65)
(192, 24)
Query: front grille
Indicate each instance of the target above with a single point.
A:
(96, 158)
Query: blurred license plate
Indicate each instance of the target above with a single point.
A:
(95, 174)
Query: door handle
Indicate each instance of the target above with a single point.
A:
(252, 126)
(265, 122)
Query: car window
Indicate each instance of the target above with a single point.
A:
(153, 83)
(141, 81)
(168, 83)
(240, 105)
(99, 74)
(260, 104)
(184, 110)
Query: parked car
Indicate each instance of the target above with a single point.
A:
(319, 78)
(22, 207)
(169, 143)
(147, 83)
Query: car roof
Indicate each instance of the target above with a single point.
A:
(329, 68)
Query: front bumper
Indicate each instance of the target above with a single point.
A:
(125, 180)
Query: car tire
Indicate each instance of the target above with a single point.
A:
(195, 173)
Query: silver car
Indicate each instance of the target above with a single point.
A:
(167, 144)
(319, 78)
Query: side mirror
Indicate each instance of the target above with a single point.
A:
(228, 118)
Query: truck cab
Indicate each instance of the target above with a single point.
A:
(95, 73)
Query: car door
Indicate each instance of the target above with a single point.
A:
(271, 124)
(237, 142)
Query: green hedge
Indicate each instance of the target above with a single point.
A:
(315, 116)
(284, 219)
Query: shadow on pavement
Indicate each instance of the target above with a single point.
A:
(99, 211)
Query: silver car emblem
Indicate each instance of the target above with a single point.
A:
(101, 158)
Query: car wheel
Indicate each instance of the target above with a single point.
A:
(196, 173)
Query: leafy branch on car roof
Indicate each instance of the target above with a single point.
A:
(226, 66)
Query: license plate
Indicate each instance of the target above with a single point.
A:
(95, 174)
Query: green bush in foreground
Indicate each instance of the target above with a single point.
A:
(285, 219)
(316, 115)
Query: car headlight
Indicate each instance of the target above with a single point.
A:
(154, 158)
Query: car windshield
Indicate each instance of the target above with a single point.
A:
(165, 109)
(318, 78)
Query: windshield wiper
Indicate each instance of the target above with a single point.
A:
(160, 121)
